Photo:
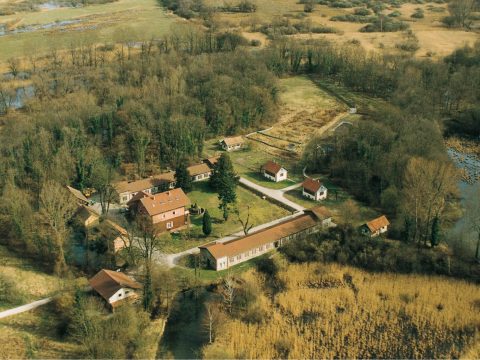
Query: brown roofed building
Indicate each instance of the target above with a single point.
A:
(166, 210)
(274, 171)
(232, 143)
(126, 190)
(211, 161)
(114, 286)
(78, 195)
(314, 189)
(375, 227)
(221, 256)
(86, 216)
(199, 172)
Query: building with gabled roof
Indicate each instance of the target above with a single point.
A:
(114, 287)
(221, 256)
(126, 190)
(212, 161)
(86, 216)
(199, 172)
(167, 210)
(375, 227)
(314, 189)
(274, 171)
(232, 143)
(78, 195)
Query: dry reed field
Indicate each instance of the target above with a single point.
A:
(332, 311)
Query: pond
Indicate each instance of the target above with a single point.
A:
(59, 25)
(22, 94)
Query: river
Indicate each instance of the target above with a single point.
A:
(470, 165)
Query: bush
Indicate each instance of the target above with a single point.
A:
(9, 293)
(255, 42)
(362, 12)
(418, 14)
(395, 13)
(449, 21)
(385, 26)
(353, 18)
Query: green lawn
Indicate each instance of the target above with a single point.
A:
(261, 211)
(131, 19)
(336, 197)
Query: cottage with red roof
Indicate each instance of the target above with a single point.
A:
(274, 171)
(375, 227)
(166, 210)
(314, 189)
(114, 287)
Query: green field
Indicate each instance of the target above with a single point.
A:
(125, 19)
(261, 211)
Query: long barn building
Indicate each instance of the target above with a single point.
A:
(221, 256)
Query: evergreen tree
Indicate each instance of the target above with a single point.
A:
(183, 178)
(147, 291)
(435, 235)
(224, 181)
(407, 229)
(207, 223)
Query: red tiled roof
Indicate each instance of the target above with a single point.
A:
(107, 283)
(312, 185)
(144, 184)
(163, 202)
(376, 224)
(262, 237)
(272, 167)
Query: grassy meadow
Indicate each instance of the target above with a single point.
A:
(434, 40)
(332, 311)
(29, 281)
(133, 20)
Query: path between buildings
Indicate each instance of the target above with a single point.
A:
(23, 308)
(171, 260)
(277, 195)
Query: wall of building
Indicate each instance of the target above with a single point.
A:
(169, 215)
(121, 294)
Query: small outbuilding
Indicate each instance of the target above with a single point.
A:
(274, 171)
(375, 227)
(199, 172)
(114, 287)
(314, 189)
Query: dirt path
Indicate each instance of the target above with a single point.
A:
(24, 308)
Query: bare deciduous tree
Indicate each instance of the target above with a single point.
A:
(56, 208)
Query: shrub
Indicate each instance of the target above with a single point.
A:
(362, 12)
(255, 42)
(353, 18)
(385, 26)
(449, 21)
(395, 13)
(9, 293)
(418, 14)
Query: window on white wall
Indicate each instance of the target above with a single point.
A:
(169, 224)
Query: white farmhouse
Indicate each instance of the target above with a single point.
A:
(274, 171)
(115, 287)
(314, 189)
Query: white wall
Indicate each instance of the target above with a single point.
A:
(121, 294)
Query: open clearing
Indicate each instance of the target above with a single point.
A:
(29, 281)
(434, 39)
(124, 19)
